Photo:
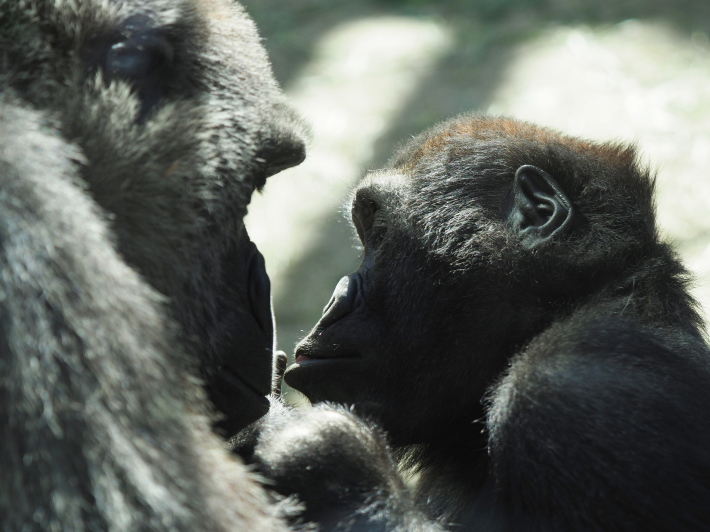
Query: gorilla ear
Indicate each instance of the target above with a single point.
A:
(540, 209)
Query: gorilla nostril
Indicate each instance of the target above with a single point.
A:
(342, 303)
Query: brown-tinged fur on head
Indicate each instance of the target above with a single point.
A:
(459, 173)
(483, 128)
(476, 157)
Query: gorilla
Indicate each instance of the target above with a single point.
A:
(133, 134)
(521, 334)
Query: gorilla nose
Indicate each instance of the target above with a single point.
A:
(284, 144)
(285, 156)
(343, 301)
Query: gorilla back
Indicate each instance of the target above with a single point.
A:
(132, 135)
(522, 334)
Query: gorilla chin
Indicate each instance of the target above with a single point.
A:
(328, 379)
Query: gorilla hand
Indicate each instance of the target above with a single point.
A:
(339, 467)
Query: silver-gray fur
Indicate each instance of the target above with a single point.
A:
(115, 214)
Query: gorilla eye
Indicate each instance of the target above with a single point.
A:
(143, 60)
(139, 59)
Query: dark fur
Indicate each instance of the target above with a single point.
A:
(121, 203)
(535, 376)
(339, 466)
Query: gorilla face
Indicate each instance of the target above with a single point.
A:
(405, 338)
(178, 120)
(447, 290)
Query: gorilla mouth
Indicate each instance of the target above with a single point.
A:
(312, 351)
(334, 378)
(239, 386)
(304, 360)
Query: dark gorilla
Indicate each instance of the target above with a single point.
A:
(521, 334)
(133, 134)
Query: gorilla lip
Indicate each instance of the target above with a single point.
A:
(305, 360)
(311, 351)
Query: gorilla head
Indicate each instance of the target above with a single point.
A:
(471, 247)
(132, 135)
(177, 119)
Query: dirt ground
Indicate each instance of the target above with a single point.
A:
(368, 74)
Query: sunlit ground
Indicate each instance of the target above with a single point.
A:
(369, 76)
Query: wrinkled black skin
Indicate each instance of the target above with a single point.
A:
(522, 335)
(239, 389)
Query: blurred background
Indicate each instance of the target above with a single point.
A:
(367, 74)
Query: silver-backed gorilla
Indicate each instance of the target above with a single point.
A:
(132, 135)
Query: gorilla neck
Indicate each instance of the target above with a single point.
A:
(457, 463)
